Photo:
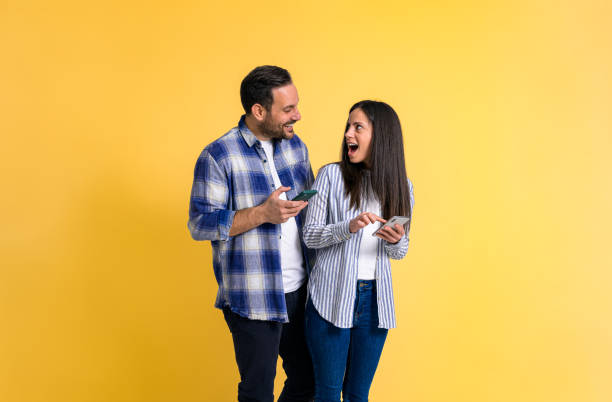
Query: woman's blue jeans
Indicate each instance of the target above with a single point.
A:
(345, 359)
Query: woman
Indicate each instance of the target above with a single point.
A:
(350, 306)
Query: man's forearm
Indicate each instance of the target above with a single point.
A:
(246, 219)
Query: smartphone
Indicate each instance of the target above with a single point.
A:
(400, 220)
(304, 195)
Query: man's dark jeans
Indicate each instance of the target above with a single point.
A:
(257, 345)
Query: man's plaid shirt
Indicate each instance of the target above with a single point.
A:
(231, 174)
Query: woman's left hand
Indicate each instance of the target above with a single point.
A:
(391, 235)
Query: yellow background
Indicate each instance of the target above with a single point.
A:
(506, 292)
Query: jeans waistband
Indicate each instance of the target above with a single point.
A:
(366, 284)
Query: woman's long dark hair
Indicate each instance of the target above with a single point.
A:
(387, 174)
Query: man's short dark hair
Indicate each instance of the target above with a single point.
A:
(257, 86)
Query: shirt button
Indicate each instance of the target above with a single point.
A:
(265, 161)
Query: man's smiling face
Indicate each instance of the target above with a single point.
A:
(283, 113)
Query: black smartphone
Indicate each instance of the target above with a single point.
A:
(304, 195)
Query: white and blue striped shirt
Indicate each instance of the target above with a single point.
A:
(333, 280)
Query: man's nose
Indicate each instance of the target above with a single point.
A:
(296, 116)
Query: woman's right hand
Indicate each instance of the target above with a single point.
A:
(363, 219)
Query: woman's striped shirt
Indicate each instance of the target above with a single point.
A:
(333, 280)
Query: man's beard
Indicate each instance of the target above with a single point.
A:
(273, 130)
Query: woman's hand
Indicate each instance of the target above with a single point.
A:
(391, 235)
(363, 219)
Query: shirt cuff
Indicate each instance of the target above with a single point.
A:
(397, 250)
(225, 219)
(341, 231)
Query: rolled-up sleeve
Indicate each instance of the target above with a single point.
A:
(398, 250)
(209, 216)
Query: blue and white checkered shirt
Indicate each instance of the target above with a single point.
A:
(231, 174)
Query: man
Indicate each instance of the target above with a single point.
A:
(240, 200)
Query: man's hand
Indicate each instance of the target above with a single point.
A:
(272, 210)
(363, 219)
(275, 210)
(391, 235)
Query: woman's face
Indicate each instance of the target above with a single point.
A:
(358, 137)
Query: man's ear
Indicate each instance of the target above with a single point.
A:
(258, 111)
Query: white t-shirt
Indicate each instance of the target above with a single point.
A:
(369, 244)
(292, 260)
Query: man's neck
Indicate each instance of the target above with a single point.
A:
(251, 123)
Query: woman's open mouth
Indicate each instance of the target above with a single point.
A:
(352, 148)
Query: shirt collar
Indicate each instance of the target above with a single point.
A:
(247, 134)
